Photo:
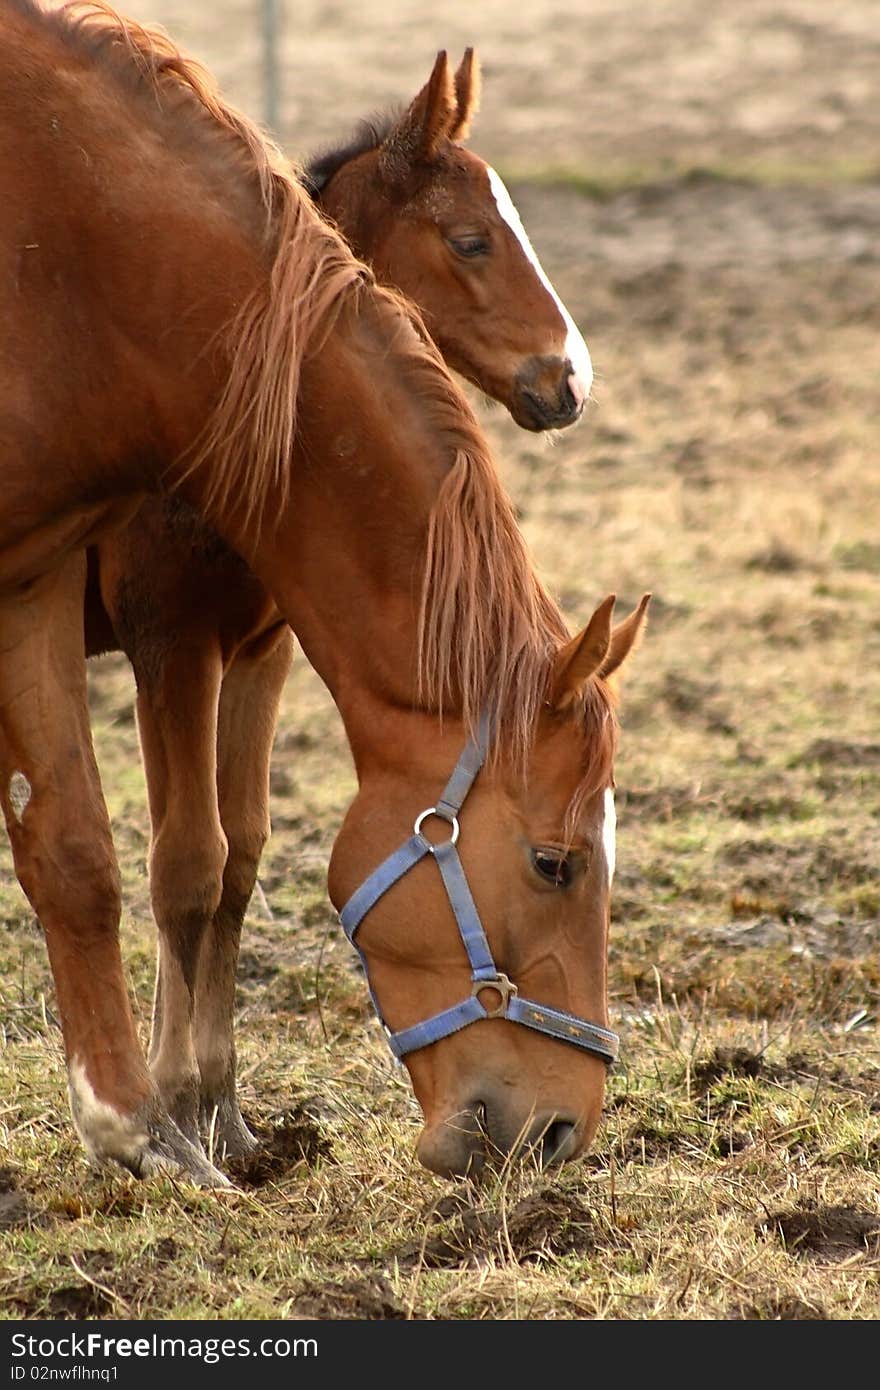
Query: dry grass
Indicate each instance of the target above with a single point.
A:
(736, 1178)
(730, 464)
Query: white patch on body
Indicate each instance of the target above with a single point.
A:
(19, 793)
(609, 832)
(575, 348)
(104, 1130)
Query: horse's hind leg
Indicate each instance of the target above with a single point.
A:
(249, 701)
(64, 859)
(178, 693)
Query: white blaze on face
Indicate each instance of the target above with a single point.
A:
(575, 349)
(609, 832)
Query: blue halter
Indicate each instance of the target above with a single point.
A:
(484, 972)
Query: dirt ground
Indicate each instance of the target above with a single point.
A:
(593, 85)
(702, 184)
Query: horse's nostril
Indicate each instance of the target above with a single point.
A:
(557, 1143)
(568, 402)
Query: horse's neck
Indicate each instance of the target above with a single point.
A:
(346, 560)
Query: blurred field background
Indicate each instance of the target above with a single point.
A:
(703, 186)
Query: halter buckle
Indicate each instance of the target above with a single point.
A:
(502, 985)
(432, 811)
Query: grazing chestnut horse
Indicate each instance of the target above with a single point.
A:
(209, 650)
(178, 316)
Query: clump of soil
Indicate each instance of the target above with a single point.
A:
(777, 558)
(646, 1143)
(162, 1252)
(661, 803)
(546, 1225)
(550, 1223)
(727, 1145)
(83, 1300)
(467, 1240)
(14, 1210)
(293, 1139)
(14, 1205)
(370, 1298)
(828, 1234)
(727, 1061)
(79, 1302)
(840, 752)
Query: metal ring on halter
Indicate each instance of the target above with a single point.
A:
(502, 985)
(450, 820)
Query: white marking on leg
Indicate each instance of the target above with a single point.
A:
(575, 348)
(105, 1131)
(609, 832)
(19, 793)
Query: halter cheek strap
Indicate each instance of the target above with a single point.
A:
(485, 975)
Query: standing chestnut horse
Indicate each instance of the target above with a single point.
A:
(178, 317)
(209, 649)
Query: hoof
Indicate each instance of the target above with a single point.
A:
(146, 1142)
(169, 1151)
(226, 1133)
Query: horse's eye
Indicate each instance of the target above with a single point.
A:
(469, 246)
(554, 865)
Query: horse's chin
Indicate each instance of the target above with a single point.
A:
(539, 416)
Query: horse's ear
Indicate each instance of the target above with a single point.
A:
(582, 657)
(467, 95)
(414, 139)
(599, 650)
(625, 638)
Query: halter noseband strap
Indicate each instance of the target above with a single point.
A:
(485, 974)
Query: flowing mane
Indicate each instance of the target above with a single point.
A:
(246, 444)
(487, 629)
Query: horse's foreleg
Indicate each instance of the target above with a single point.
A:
(178, 691)
(249, 701)
(64, 858)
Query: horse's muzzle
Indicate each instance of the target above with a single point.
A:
(547, 394)
(481, 1135)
